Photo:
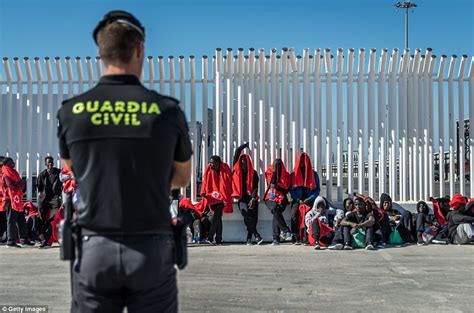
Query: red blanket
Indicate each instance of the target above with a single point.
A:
(282, 181)
(237, 177)
(323, 228)
(216, 186)
(438, 212)
(199, 207)
(309, 181)
(15, 194)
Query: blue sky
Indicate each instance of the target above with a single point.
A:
(196, 27)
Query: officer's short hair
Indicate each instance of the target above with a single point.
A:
(117, 42)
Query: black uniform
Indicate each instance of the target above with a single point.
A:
(122, 139)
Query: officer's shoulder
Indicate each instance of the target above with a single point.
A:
(165, 102)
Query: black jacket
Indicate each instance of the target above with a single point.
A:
(49, 185)
(455, 218)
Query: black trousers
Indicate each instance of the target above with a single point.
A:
(420, 226)
(216, 223)
(369, 234)
(113, 272)
(16, 224)
(278, 221)
(250, 215)
(201, 227)
(3, 225)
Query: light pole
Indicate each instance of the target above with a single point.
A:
(405, 5)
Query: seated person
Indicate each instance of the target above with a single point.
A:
(360, 219)
(317, 221)
(197, 216)
(461, 221)
(400, 220)
(426, 225)
(33, 221)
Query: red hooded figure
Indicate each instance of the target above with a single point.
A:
(237, 177)
(457, 200)
(309, 180)
(281, 179)
(199, 207)
(13, 194)
(216, 186)
(438, 212)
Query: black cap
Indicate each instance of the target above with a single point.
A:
(122, 17)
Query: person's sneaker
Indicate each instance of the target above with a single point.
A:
(275, 242)
(259, 240)
(347, 246)
(288, 236)
(421, 244)
(297, 243)
(369, 247)
(13, 245)
(337, 246)
(207, 242)
(439, 242)
(26, 243)
(44, 245)
(317, 247)
(381, 245)
(249, 242)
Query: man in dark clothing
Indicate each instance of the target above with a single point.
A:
(360, 219)
(461, 221)
(401, 221)
(50, 189)
(128, 147)
(245, 190)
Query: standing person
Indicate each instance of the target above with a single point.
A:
(128, 146)
(278, 180)
(3, 209)
(217, 189)
(13, 188)
(50, 189)
(305, 187)
(245, 190)
(360, 219)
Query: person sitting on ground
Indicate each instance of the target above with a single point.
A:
(33, 221)
(217, 189)
(399, 219)
(199, 216)
(338, 240)
(426, 225)
(361, 219)
(305, 187)
(461, 220)
(245, 190)
(317, 224)
(13, 188)
(275, 198)
(441, 209)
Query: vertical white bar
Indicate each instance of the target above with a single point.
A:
(49, 100)
(217, 105)
(90, 72)
(80, 75)
(416, 125)
(421, 122)
(274, 107)
(70, 77)
(371, 121)
(441, 132)
(431, 127)
(52, 120)
(251, 124)
(295, 104)
(229, 123)
(151, 72)
(182, 83)
(30, 147)
(452, 124)
(329, 152)
(471, 118)
(306, 102)
(98, 66)
(194, 139)
(252, 104)
(339, 125)
(317, 128)
(382, 121)
(39, 111)
(205, 115)
(350, 122)
(9, 147)
(285, 107)
(426, 109)
(272, 134)
(19, 121)
(161, 68)
(391, 122)
(461, 149)
(261, 125)
(402, 122)
(361, 123)
(172, 76)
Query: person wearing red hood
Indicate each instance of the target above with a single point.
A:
(461, 220)
(245, 190)
(217, 189)
(304, 189)
(278, 180)
(13, 187)
(3, 213)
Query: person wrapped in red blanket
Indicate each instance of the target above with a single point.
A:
(441, 209)
(200, 214)
(13, 187)
(304, 189)
(245, 191)
(278, 181)
(217, 189)
(33, 221)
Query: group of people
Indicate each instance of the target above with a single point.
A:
(23, 223)
(360, 223)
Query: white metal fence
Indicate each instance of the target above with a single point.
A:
(350, 112)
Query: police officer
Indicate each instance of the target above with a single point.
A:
(128, 147)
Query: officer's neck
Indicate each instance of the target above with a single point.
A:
(123, 69)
